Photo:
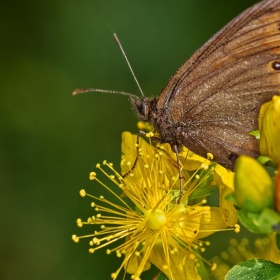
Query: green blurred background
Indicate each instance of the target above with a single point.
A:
(51, 140)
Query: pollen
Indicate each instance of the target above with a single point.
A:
(192, 256)
(92, 175)
(210, 156)
(237, 228)
(214, 266)
(82, 193)
(118, 254)
(75, 238)
(204, 166)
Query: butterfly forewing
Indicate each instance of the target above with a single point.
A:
(213, 100)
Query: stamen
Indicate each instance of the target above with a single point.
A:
(82, 193)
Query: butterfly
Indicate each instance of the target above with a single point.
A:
(212, 102)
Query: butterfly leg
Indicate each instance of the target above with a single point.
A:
(176, 150)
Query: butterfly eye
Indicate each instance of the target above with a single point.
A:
(142, 109)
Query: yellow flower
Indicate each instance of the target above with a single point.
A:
(269, 127)
(157, 229)
(264, 248)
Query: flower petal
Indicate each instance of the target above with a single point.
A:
(225, 180)
(180, 266)
(210, 222)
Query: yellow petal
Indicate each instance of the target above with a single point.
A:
(181, 266)
(211, 222)
(133, 264)
(129, 151)
(229, 212)
(225, 180)
(224, 177)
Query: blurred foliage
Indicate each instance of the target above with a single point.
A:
(50, 140)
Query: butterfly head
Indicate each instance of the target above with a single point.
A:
(143, 107)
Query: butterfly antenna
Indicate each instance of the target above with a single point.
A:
(125, 57)
(83, 90)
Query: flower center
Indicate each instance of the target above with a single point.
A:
(155, 218)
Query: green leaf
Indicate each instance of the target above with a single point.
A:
(266, 160)
(269, 220)
(249, 220)
(255, 133)
(278, 240)
(265, 222)
(202, 269)
(160, 276)
(206, 186)
(231, 197)
(201, 191)
(254, 269)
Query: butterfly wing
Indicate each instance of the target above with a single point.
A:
(215, 97)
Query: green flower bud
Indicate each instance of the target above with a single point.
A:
(269, 125)
(253, 185)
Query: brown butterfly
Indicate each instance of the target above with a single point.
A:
(213, 101)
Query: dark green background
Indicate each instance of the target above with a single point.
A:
(50, 141)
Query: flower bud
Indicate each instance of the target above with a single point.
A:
(253, 185)
(269, 126)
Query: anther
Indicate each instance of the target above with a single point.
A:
(82, 193)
